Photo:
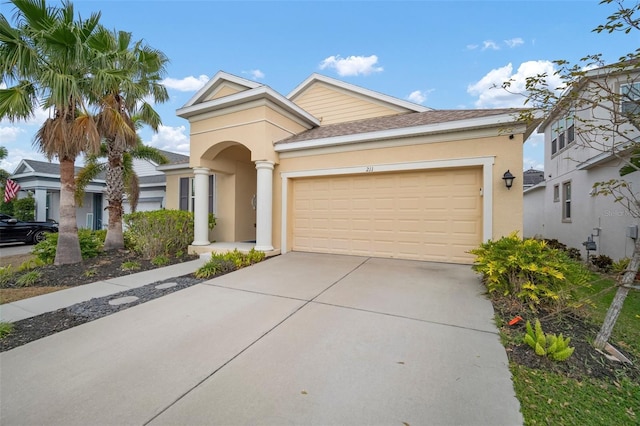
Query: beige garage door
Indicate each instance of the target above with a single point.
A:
(428, 215)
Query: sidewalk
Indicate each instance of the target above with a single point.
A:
(27, 308)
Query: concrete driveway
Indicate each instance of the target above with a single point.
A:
(298, 339)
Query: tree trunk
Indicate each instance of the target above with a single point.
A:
(115, 189)
(616, 304)
(68, 248)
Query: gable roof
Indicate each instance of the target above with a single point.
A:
(198, 105)
(216, 82)
(357, 90)
(404, 125)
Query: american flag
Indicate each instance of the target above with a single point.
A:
(11, 189)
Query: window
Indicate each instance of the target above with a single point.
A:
(187, 194)
(566, 202)
(562, 134)
(556, 193)
(630, 98)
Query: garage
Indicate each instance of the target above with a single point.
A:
(433, 215)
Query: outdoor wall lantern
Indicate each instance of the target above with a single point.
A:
(508, 179)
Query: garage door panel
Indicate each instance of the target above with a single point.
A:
(428, 215)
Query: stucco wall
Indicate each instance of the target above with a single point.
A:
(507, 204)
(590, 212)
(534, 211)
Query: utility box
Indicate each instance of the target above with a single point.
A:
(632, 232)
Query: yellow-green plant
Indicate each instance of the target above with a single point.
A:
(554, 346)
(28, 278)
(222, 263)
(6, 274)
(621, 265)
(529, 270)
(5, 329)
(215, 266)
(130, 265)
(30, 264)
(160, 260)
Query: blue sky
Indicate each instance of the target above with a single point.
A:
(441, 54)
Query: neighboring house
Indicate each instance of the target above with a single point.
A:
(42, 179)
(532, 177)
(336, 168)
(565, 206)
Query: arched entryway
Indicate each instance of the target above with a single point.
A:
(242, 196)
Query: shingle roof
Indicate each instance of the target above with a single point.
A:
(532, 177)
(394, 122)
(175, 158)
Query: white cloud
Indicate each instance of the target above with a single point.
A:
(172, 139)
(472, 46)
(489, 88)
(352, 65)
(254, 74)
(514, 42)
(187, 84)
(419, 96)
(10, 134)
(490, 44)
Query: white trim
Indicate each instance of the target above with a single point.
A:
(487, 189)
(451, 126)
(261, 92)
(393, 143)
(217, 80)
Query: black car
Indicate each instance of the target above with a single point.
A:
(13, 230)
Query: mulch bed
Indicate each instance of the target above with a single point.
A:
(103, 267)
(585, 362)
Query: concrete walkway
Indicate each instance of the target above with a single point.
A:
(27, 308)
(299, 339)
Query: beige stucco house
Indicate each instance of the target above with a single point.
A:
(337, 168)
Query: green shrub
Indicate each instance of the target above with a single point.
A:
(215, 266)
(159, 232)
(222, 263)
(6, 275)
(29, 278)
(621, 265)
(528, 270)
(554, 346)
(160, 260)
(91, 243)
(24, 208)
(30, 264)
(5, 328)
(130, 266)
(602, 262)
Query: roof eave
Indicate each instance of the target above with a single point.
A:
(404, 132)
(261, 92)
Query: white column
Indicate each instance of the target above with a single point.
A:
(201, 206)
(264, 205)
(41, 204)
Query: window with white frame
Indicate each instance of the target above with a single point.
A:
(556, 193)
(566, 201)
(188, 196)
(630, 98)
(562, 133)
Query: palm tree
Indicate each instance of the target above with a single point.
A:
(130, 74)
(4, 175)
(47, 60)
(93, 167)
